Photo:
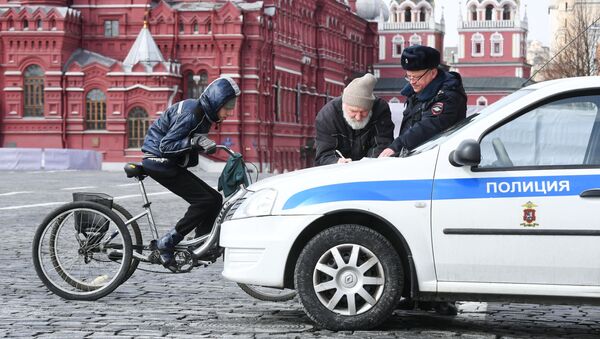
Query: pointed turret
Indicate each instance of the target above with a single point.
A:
(144, 50)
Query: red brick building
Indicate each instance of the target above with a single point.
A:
(90, 74)
(491, 52)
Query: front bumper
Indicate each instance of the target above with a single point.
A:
(256, 249)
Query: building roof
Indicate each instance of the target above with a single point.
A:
(493, 84)
(483, 84)
(144, 50)
(84, 57)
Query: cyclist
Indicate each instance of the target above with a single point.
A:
(172, 145)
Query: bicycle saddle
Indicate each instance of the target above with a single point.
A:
(135, 170)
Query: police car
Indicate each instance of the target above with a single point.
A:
(500, 207)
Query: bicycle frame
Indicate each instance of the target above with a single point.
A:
(203, 242)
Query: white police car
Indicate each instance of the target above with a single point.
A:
(500, 207)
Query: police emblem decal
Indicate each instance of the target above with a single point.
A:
(529, 216)
(437, 108)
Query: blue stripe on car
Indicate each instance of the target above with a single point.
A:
(468, 188)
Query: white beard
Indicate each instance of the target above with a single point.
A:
(357, 124)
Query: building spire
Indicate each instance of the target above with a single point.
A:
(144, 49)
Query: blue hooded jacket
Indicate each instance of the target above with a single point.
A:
(169, 136)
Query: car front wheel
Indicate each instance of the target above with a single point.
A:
(349, 277)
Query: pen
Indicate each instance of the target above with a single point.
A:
(339, 154)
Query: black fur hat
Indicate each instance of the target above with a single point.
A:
(417, 57)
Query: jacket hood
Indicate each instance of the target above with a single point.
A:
(443, 81)
(217, 94)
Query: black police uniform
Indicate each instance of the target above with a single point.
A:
(441, 104)
(438, 106)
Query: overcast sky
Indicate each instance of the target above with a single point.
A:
(537, 15)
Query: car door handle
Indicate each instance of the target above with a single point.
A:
(591, 193)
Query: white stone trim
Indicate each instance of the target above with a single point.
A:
(140, 73)
(381, 47)
(52, 89)
(251, 76)
(331, 81)
(74, 89)
(74, 73)
(251, 92)
(151, 89)
(12, 73)
(13, 89)
(287, 70)
(230, 75)
(110, 6)
(53, 73)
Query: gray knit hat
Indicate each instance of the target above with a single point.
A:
(359, 92)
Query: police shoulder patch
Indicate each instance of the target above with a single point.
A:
(437, 108)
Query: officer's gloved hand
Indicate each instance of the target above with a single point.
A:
(203, 144)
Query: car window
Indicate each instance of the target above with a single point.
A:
(441, 137)
(555, 134)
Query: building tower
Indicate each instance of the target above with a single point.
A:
(411, 22)
(492, 40)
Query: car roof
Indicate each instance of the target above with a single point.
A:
(568, 83)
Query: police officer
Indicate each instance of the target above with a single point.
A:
(353, 126)
(436, 99)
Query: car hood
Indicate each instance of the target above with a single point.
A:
(360, 177)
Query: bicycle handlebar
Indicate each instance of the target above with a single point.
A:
(226, 149)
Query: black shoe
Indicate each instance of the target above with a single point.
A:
(406, 304)
(445, 308)
(166, 247)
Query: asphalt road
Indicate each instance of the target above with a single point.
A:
(202, 303)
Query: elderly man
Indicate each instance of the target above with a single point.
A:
(353, 126)
(436, 99)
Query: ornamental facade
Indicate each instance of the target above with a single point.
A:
(90, 75)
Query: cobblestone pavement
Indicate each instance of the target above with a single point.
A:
(202, 303)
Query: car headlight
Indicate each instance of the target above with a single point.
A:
(256, 204)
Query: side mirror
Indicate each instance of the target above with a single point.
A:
(468, 153)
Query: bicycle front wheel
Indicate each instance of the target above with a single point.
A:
(73, 247)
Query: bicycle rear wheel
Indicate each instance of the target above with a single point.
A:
(268, 293)
(71, 250)
(136, 237)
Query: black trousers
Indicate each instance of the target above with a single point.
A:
(205, 202)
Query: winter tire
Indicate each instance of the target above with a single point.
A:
(349, 277)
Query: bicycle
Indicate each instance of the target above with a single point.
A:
(85, 249)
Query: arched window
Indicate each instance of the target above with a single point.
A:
(195, 27)
(477, 45)
(397, 45)
(25, 24)
(407, 15)
(473, 13)
(38, 24)
(137, 126)
(33, 93)
(181, 27)
(422, 15)
(11, 24)
(489, 10)
(506, 13)
(415, 40)
(496, 44)
(195, 84)
(95, 110)
(208, 27)
(53, 24)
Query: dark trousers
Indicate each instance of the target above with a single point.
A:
(205, 202)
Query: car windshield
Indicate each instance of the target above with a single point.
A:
(438, 139)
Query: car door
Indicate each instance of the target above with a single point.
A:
(528, 213)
